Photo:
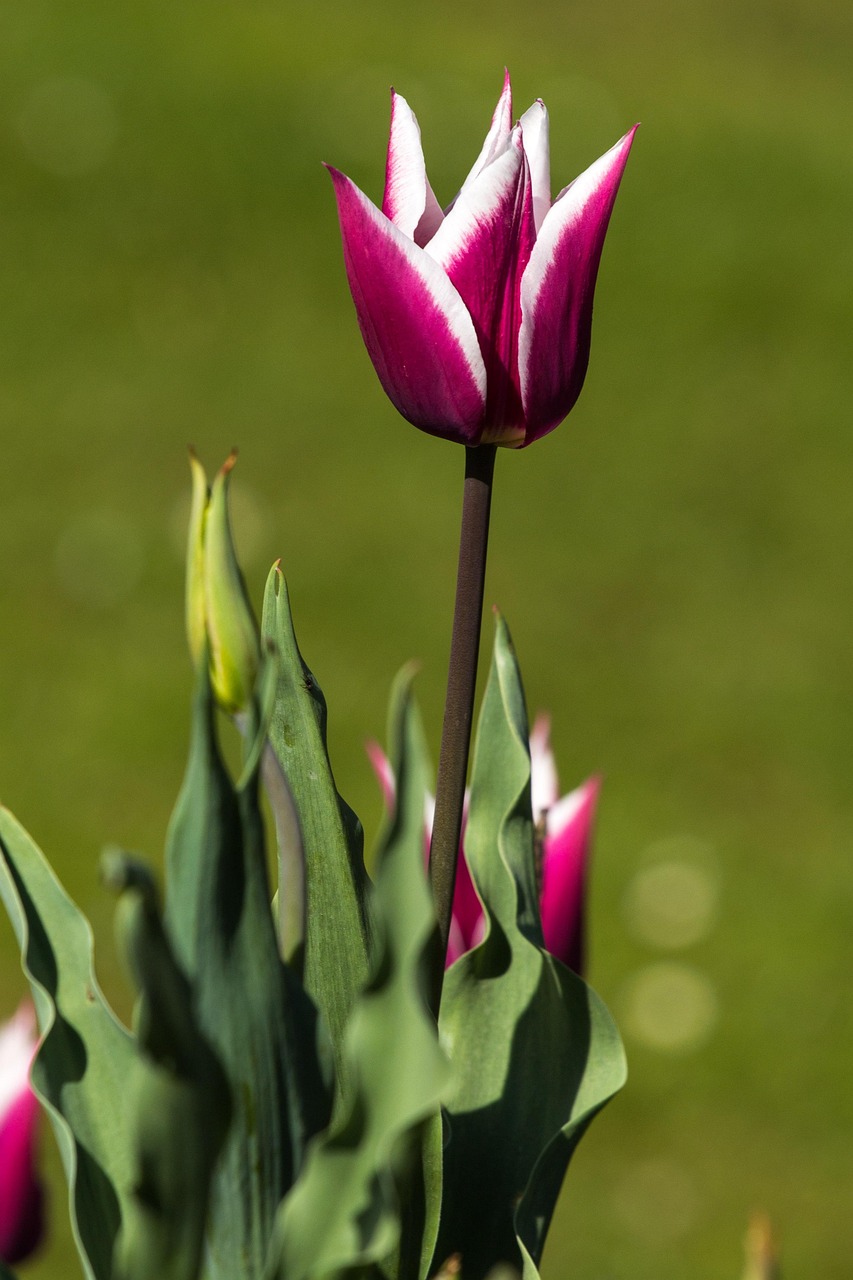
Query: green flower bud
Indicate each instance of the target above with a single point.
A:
(218, 614)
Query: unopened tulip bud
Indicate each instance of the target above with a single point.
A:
(219, 618)
(232, 631)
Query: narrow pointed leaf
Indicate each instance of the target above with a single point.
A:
(534, 1051)
(335, 962)
(86, 1056)
(346, 1211)
(255, 1014)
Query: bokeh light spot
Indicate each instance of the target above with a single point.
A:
(671, 904)
(669, 1006)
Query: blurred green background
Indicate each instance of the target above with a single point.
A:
(673, 561)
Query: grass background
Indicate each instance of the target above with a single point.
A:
(673, 561)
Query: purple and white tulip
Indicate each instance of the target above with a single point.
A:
(478, 317)
(21, 1195)
(567, 824)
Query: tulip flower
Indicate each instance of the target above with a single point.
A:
(477, 318)
(21, 1196)
(566, 826)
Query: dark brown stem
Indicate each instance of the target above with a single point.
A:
(461, 683)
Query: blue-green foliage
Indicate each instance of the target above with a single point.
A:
(298, 1119)
(348, 1210)
(534, 1051)
(335, 936)
(261, 1023)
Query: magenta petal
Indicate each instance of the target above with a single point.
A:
(21, 1194)
(567, 844)
(484, 245)
(409, 200)
(415, 326)
(557, 292)
(384, 773)
(456, 945)
(467, 908)
(20, 1190)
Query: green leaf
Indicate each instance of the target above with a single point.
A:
(336, 883)
(535, 1052)
(177, 1097)
(345, 1210)
(250, 1006)
(86, 1058)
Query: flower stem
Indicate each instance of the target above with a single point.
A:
(461, 682)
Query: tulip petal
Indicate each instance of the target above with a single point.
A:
(534, 131)
(467, 907)
(484, 245)
(384, 773)
(21, 1194)
(456, 944)
(498, 135)
(544, 783)
(568, 838)
(409, 200)
(415, 325)
(557, 292)
(17, 1046)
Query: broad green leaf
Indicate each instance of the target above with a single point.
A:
(252, 1009)
(86, 1057)
(345, 1213)
(177, 1097)
(332, 840)
(535, 1053)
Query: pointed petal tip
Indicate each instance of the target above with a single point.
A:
(627, 140)
(591, 790)
(503, 111)
(339, 178)
(592, 784)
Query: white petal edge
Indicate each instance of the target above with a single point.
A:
(17, 1046)
(544, 783)
(414, 208)
(537, 148)
(564, 212)
(478, 203)
(566, 810)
